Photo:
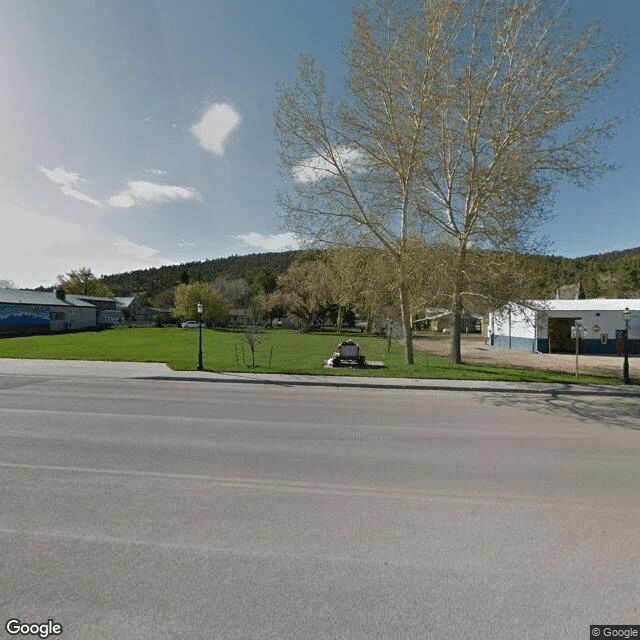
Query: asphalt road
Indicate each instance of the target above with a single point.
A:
(170, 509)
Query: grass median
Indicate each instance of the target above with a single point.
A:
(276, 351)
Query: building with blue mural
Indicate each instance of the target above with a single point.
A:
(24, 312)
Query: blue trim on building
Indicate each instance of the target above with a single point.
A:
(633, 346)
(517, 343)
(597, 347)
(587, 346)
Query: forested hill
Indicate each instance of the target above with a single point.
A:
(605, 275)
(155, 281)
(614, 274)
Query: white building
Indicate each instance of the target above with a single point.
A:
(545, 326)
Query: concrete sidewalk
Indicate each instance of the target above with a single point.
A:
(159, 371)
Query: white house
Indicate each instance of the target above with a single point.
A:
(545, 326)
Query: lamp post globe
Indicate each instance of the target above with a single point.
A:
(200, 309)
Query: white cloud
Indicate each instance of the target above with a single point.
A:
(217, 123)
(156, 172)
(278, 242)
(123, 200)
(316, 168)
(134, 250)
(140, 191)
(68, 181)
(185, 243)
(36, 248)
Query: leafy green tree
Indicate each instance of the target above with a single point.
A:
(82, 282)
(265, 281)
(262, 302)
(163, 300)
(626, 279)
(304, 291)
(362, 279)
(592, 284)
(454, 125)
(345, 279)
(187, 296)
(235, 289)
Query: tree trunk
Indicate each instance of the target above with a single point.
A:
(406, 324)
(339, 319)
(456, 321)
(455, 356)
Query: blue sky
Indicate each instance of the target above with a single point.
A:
(140, 133)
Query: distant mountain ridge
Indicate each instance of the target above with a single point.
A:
(612, 274)
(155, 280)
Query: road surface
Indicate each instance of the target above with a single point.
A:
(171, 509)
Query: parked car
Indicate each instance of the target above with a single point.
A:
(192, 324)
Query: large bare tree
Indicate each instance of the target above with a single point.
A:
(455, 126)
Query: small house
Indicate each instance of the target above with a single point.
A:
(441, 319)
(131, 309)
(107, 313)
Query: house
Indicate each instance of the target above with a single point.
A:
(26, 312)
(544, 326)
(131, 309)
(107, 312)
(440, 320)
(153, 315)
(239, 317)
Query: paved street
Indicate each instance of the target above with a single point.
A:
(188, 509)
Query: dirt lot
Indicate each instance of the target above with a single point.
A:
(474, 349)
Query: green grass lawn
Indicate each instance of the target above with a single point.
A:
(278, 351)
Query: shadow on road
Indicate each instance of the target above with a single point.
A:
(606, 411)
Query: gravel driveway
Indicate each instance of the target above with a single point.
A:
(475, 349)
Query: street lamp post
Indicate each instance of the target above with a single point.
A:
(200, 308)
(625, 367)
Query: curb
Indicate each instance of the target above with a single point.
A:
(552, 389)
(156, 371)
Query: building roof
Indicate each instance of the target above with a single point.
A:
(439, 314)
(81, 301)
(590, 304)
(81, 296)
(49, 298)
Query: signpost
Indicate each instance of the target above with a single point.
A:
(578, 330)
